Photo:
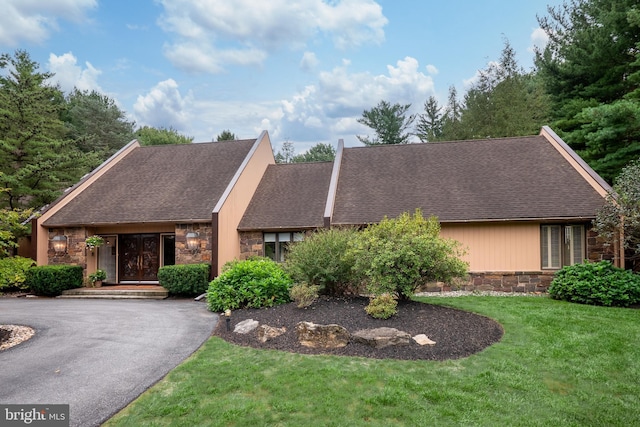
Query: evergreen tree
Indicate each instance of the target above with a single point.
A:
(161, 136)
(430, 123)
(286, 154)
(318, 153)
(451, 124)
(389, 122)
(226, 135)
(36, 159)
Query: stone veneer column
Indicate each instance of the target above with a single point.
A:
(186, 256)
(76, 251)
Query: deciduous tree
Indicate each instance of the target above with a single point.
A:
(389, 122)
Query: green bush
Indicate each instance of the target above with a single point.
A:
(304, 294)
(51, 280)
(382, 307)
(322, 259)
(399, 255)
(13, 273)
(254, 283)
(597, 283)
(185, 279)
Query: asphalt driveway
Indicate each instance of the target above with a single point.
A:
(96, 355)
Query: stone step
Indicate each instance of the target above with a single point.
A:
(114, 293)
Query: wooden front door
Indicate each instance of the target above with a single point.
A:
(139, 257)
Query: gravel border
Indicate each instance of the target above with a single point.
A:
(481, 294)
(18, 335)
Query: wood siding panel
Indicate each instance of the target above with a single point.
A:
(498, 247)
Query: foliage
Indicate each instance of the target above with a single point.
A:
(286, 153)
(161, 136)
(12, 226)
(51, 280)
(621, 211)
(592, 59)
(389, 122)
(185, 279)
(94, 241)
(253, 283)
(226, 135)
(304, 294)
(596, 283)
(322, 259)
(429, 126)
(97, 276)
(382, 306)
(399, 255)
(96, 124)
(36, 159)
(13, 272)
(318, 153)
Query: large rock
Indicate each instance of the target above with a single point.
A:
(266, 332)
(422, 339)
(245, 326)
(322, 336)
(381, 337)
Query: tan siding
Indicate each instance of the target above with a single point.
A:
(235, 203)
(498, 247)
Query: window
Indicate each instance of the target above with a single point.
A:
(276, 245)
(562, 245)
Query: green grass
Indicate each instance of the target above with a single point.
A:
(558, 364)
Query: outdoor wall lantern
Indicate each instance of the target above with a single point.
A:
(193, 242)
(59, 244)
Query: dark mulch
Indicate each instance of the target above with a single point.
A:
(456, 333)
(5, 334)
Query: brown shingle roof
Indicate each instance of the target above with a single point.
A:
(496, 179)
(289, 196)
(158, 183)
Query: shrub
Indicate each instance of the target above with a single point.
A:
(304, 294)
(382, 307)
(185, 279)
(51, 280)
(322, 259)
(13, 273)
(399, 255)
(254, 283)
(597, 283)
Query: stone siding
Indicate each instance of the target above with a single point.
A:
(183, 254)
(76, 253)
(251, 244)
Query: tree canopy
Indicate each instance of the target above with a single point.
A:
(226, 135)
(389, 122)
(161, 136)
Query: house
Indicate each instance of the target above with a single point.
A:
(521, 207)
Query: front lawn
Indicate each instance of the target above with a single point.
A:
(558, 364)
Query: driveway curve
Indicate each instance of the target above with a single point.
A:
(96, 355)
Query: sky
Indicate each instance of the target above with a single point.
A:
(303, 70)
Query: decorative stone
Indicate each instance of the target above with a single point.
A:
(381, 337)
(245, 326)
(422, 339)
(266, 332)
(322, 336)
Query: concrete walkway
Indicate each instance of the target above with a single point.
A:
(96, 355)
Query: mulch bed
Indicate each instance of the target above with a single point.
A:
(4, 335)
(457, 333)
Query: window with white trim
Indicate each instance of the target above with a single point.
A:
(562, 245)
(276, 245)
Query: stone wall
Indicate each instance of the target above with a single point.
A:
(76, 253)
(204, 252)
(251, 244)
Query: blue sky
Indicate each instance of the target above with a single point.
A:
(303, 70)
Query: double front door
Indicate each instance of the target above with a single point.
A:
(139, 257)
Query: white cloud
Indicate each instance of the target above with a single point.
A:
(539, 40)
(309, 61)
(431, 69)
(233, 32)
(69, 75)
(31, 21)
(163, 106)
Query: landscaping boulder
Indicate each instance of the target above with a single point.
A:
(245, 326)
(422, 339)
(266, 332)
(381, 337)
(321, 336)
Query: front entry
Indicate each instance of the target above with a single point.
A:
(139, 257)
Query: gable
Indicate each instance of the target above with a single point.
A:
(157, 184)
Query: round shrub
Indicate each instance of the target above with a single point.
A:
(597, 283)
(185, 279)
(13, 273)
(254, 283)
(382, 307)
(304, 294)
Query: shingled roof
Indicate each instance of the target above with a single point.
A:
(494, 179)
(164, 183)
(290, 196)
